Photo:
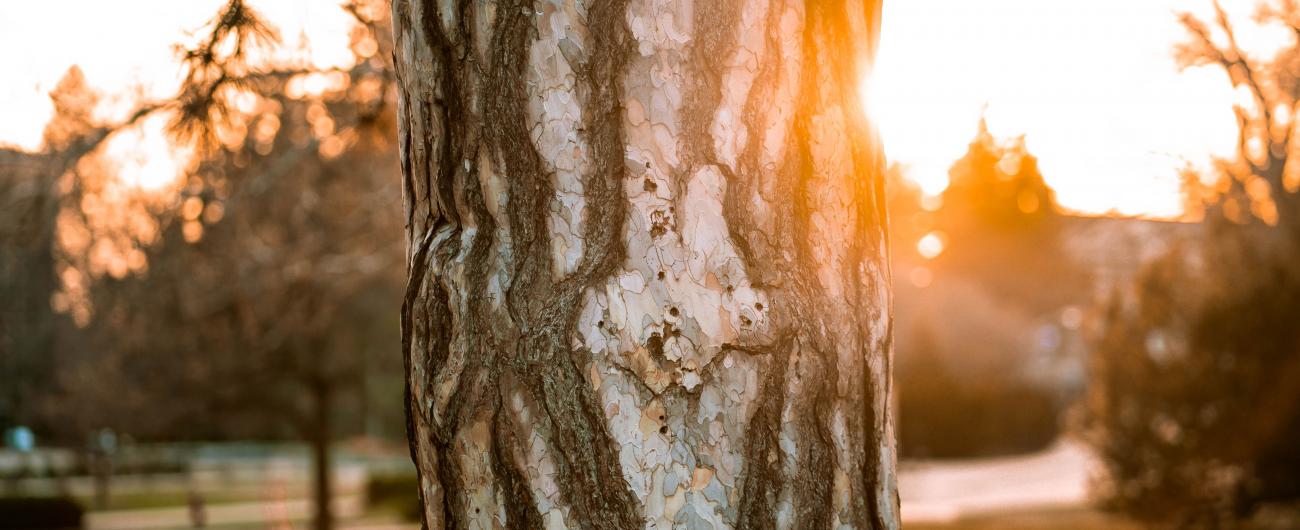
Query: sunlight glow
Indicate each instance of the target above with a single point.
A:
(145, 158)
(931, 245)
(1093, 86)
(132, 56)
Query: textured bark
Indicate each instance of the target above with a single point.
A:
(648, 270)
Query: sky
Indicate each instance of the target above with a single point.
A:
(125, 44)
(1091, 85)
(126, 50)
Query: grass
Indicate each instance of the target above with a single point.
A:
(167, 499)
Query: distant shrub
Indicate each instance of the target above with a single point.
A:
(396, 493)
(1194, 406)
(1193, 403)
(983, 420)
(39, 513)
(943, 417)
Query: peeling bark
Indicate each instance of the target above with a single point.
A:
(648, 271)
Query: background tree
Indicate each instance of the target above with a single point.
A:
(28, 325)
(268, 292)
(648, 267)
(996, 185)
(38, 191)
(1002, 225)
(1194, 406)
(971, 383)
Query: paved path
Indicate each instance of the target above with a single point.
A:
(931, 492)
(946, 491)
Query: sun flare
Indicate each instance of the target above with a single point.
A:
(1093, 88)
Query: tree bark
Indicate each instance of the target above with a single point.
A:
(649, 281)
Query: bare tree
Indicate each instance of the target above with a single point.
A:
(649, 280)
(262, 296)
(36, 190)
(1193, 405)
(1256, 185)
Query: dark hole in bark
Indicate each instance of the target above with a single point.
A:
(656, 346)
(672, 311)
(758, 306)
(650, 185)
(663, 430)
(661, 275)
(659, 223)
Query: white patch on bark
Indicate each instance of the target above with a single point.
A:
(452, 275)
(841, 490)
(556, 115)
(683, 286)
(447, 16)
(473, 450)
(855, 12)
(831, 196)
(788, 441)
(433, 496)
(497, 200)
(886, 480)
(878, 365)
(728, 129)
(684, 467)
(537, 464)
(485, 15)
(779, 116)
(683, 290)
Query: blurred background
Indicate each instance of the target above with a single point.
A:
(1095, 231)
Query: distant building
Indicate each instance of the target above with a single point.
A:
(1113, 249)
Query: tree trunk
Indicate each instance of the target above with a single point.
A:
(320, 441)
(649, 281)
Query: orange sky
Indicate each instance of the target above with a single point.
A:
(1091, 84)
